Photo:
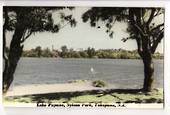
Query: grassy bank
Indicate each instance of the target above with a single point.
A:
(97, 96)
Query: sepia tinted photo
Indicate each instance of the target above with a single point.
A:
(83, 56)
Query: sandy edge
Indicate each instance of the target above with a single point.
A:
(52, 88)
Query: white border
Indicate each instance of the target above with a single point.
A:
(144, 3)
(1, 107)
(127, 3)
(167, 57)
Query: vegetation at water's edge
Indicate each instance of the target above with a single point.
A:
(126, 96)
(98, 83)
(87, 53)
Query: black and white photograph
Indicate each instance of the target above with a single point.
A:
(68, 56)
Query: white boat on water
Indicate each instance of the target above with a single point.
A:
(92, 71)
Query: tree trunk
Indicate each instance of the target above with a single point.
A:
(148, 72)
(13, 58)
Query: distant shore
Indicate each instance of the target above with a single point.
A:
(89, 53)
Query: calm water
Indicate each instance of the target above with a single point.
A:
(120, 73)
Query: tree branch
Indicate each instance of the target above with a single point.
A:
(137, 24)
(141, 31)
(151, 16)
(156, 42)
(25, 37)
(158, 26)
(142, 15)
(158, 13)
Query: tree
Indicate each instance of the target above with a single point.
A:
(64, 50)
(38, 50)
(47, 53)
(90, 52)
(142, 27)
(24, 22)
(83, 54)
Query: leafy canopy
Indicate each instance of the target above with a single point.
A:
(35, 19)
(142, 23)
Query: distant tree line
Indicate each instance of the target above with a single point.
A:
(37, 52)
(87, 53)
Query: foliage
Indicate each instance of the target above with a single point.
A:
(71, 53)
(90, 52)
(139, 20)
(64, 51)
(98, 83)
(36, 19)
(38, 50)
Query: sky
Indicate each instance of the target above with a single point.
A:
(82, 36)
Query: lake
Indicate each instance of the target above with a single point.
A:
(121, 73)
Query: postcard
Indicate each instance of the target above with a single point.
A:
(83, 56)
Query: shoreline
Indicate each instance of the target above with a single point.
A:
(74, 86)
(70, 86)
(94, 58)
(80, 92)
